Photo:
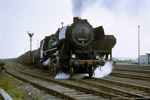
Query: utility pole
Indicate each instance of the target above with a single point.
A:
(139, 44)
(30, 35)
(62, 24)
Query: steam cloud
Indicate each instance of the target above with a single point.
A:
(104, 71)
(47, 62)
(62, 76)
(79, 6)
(67, 76)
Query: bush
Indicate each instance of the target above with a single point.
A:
(8, 84)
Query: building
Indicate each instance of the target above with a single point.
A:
(145, 59)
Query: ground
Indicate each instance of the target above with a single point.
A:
(19, 90)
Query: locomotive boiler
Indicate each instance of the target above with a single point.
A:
(75, 48)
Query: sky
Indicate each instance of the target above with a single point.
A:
(120, 18)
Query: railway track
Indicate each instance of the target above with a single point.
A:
(132, 67)
(48, 90)
(142, 91)
(115, 90)
(133, 70)
(131, 76)
(66, 90)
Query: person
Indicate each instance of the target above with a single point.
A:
(2, 65)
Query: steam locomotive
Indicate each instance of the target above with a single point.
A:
(75, 48)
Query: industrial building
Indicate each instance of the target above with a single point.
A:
(145, 59)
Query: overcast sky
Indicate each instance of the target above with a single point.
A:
(42, 17)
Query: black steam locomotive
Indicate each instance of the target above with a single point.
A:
(75, 48)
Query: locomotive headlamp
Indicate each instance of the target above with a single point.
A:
(45, 54)
(73, 56)
(97, 57)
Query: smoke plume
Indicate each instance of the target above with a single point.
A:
(79, 6)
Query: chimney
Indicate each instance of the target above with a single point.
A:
(76, 19)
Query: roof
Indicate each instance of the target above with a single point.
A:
(147, 53)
